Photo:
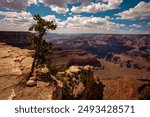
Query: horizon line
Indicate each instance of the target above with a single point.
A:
(86, 33)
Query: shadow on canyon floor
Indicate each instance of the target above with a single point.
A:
(144, 89)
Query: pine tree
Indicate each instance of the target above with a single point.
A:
(40, 46)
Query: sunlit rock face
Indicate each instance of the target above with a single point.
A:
(79, 83)
(14, 64)
(14, 61)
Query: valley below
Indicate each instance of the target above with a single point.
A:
(117, 67)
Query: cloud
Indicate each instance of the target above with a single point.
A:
(59, 6)
(59, 3)
(51, 18)
(135, 26)
(75, 1)
(15, 21)
(104, 5)
(59, 10)
(16, 4)
(85, 21)
(32, 2)
(79, 24)
(107, 18)
(70, 13)
(56, 5)
(141, 11)
(15, 16)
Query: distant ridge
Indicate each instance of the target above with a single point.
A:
(22, 38)
(91, 35)
(15, 38)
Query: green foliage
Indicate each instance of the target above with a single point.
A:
(62, 68)
(53, 69)
(84, 75)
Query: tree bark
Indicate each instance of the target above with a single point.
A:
(32, 67)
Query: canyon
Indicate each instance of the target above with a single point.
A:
(120, 67)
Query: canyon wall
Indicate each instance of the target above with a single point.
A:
(15, 38)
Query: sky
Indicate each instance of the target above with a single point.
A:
(78, 16)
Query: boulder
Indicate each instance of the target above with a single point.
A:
(88, 67)
(73, 69)
(31, 83)
(33, 78)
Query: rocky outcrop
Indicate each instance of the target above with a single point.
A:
(78, 83)
(85, 61)
(144, 89)
(124, 63)
(109, 57)
(116, 60)
(14, 64)
(14, 61)
(112, 58)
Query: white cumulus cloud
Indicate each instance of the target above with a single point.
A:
(104, 5)
(141, 11)
(13, 21)
(79, 24)
(16, 4)
(59, 6)
(59, 10)
(135, 26)
(20, 21)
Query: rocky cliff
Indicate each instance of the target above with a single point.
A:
(124, 61)
(14, 64)
(16, 38)
(79, 83)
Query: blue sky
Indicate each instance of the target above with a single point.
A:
(79, 16)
